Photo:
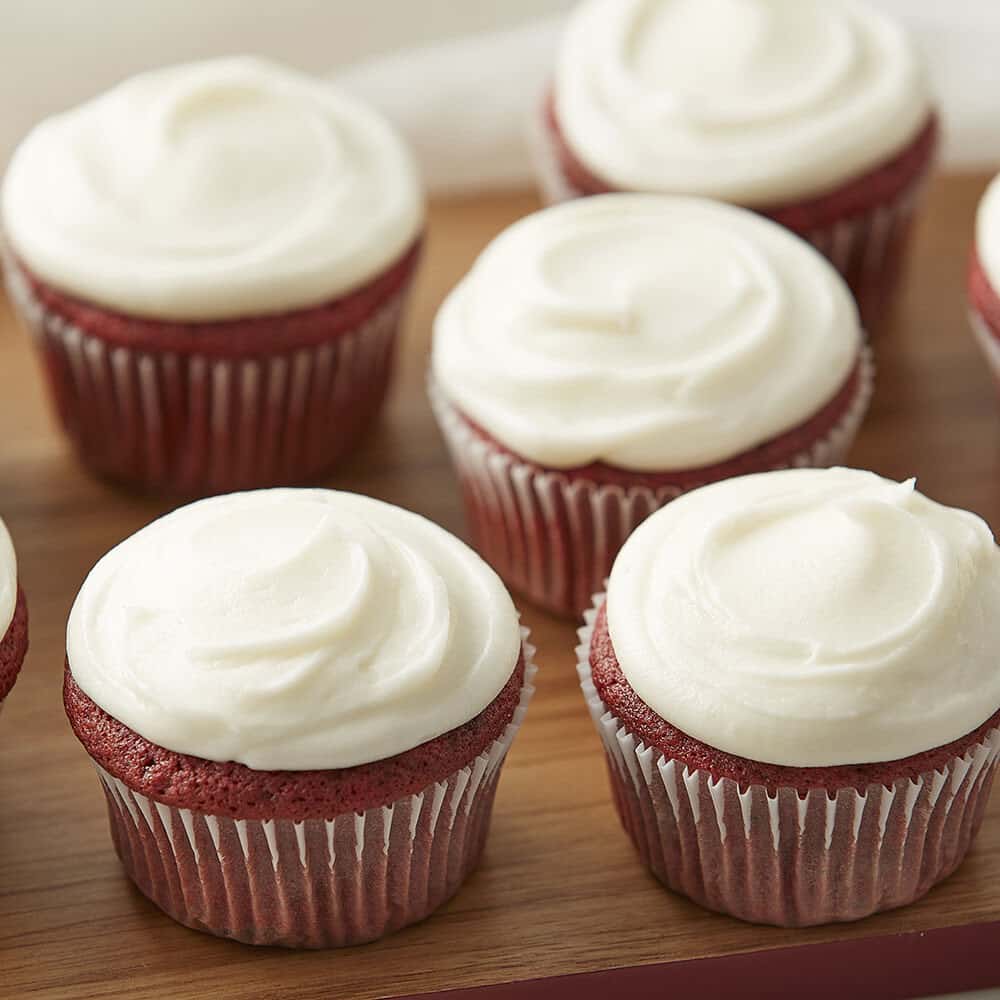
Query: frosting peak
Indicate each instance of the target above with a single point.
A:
(8, 580)
(811, 617)
(212, 190)
(292, 629)
(645, 331)
(746, 100)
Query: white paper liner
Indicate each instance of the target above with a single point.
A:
(196, 424)
(988, 342)
(554, 539)
(784, 859)
(866, 249)
(314, 883)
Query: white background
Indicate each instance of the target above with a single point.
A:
(55, 53)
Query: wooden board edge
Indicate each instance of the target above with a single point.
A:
(891, 967)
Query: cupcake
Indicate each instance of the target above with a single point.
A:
(298, 703)
(984, 278)
(794, 678)
(213, 259)
(13, 617)
(605, 355)
(814, 113)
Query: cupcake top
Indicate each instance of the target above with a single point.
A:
(210, 191)
(8, 580)
(811, 618)
(292, 630)
(754, 101)
(988, 232)
(647, 332)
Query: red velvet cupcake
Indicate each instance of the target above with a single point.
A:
(814, 114)
(984, 279)
(13, 617)
(213, 259)
(360, 676)
(793, 746)
(604, 356)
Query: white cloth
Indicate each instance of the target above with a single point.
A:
(486, 86)
(463, 102)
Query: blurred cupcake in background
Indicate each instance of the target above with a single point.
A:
(794, 678)
(299, 703)
(213, 259)
(815, 113)
(13, 617)
(605, 355)
(984, 278)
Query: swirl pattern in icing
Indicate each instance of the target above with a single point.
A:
(8, 580)
(753, 101)
(988, 233)
(292, 629)
(644, 331)
(212, 190)
(811, 617)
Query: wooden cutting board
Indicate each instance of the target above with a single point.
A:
(560, 892)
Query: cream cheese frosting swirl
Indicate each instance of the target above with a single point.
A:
(811, 617)
(210, 191)
(753, 101)
(292, 629)
(644, 331)
(8, 580)
(988, 233)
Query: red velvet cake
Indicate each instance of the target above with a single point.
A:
(606, 355)
(863, 226)
(621, 700)
(557, 543)
(815, 825)
(213, 259)
(14, 646)
(229, 789)
(198, 408)
(840, 159)
(299, 740)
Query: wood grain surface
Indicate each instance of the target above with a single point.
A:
(559, 890)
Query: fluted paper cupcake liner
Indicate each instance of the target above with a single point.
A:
(553, 538)
(315, 883)
(787, 859)
(867, 248)
(192, 423)
(988, 342)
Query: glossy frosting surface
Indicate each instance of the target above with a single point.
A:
(292, 629)
(644, 331)
(811, 617)
(212, 190)
(754, 101)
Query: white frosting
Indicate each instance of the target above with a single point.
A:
(212, 190)
(645, 331)
(811, 617)
(292, 629)
(988, 233)
(8, 580)
(754, 101)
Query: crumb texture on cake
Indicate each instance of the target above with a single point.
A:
(658, 733)
(14, 645)
(231, 789)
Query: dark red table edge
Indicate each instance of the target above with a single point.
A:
(892, 967)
